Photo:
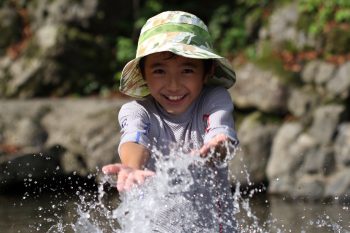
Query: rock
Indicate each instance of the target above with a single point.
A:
(255, 138)
(318, 72)
(283, 184)
(23, 72)
(319, 161)
(342, 145)
(56, 36)
(309, 187)
(302, 103)
(47, 36)
(291, 148)
(282, 28)
(325, 73)
(326, 119)
(57, 137)
(339, 185)
(63, 11)
(339, 85)
(285, 157)
(252, 91)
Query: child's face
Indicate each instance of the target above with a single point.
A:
(174, 81)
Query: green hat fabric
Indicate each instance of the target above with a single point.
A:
(181, 33)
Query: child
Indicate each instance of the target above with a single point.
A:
(181, 85)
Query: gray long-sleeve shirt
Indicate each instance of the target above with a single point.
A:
(147, 123)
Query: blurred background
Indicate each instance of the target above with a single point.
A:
(60, 64)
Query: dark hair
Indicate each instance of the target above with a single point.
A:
(207, 64)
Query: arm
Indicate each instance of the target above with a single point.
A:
(132, 150)
(130, 171)
(140, 155)
(220, 136)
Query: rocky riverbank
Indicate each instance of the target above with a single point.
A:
(293, 122)
(305, 153)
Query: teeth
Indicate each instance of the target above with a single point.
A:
(175, 97)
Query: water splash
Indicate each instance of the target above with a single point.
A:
(176, 200)
(167, 201)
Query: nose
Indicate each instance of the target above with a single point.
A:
(173, 83)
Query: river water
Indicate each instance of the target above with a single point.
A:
(79, 209)
(62, 210)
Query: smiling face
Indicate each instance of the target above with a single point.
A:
(174, 81)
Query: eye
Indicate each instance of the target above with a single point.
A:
(187, 71)
(158, 71)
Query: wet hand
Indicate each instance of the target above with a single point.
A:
(127, 177)
(215, 148)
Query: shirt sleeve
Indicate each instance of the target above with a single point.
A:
(218, 113)
(135, 124)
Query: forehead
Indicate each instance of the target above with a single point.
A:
(168, 57)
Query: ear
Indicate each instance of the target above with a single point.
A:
(210, 73)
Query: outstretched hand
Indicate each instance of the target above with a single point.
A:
(216, 148)
(128, 177)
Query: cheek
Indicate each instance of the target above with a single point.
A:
(195, 87)
(154, 84)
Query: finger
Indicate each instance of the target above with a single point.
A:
(204, 150)
(113, 168)
(142, 175)
(148, 173)
(217, 140)
(122, 177)
(130, 182)
(140, 178)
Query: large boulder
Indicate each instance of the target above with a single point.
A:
(249, 165)
(259, 89)
(56, 48)
(42, 138)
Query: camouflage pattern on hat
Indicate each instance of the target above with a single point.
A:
(181, 33)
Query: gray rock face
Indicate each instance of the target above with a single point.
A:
(342, 145)
(59, 35)
(302, 103)
(318, 72)
(282, 28)
(248, 167)
(326, 119)
(339, 85)
(56, 137)
(260, 89)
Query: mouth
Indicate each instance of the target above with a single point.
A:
(174, 98)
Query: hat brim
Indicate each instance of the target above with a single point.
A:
(133, 84)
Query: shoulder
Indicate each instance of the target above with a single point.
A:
(216, 91)
(140, 107)
(216, 95)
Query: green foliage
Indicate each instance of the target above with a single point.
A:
(125, 49)
(126, 45)
(228, 24)
(227, 29)
(317, 13)
(269, 60)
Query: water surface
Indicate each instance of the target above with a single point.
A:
(39, 214)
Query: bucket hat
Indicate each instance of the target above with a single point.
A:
(181, 33)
